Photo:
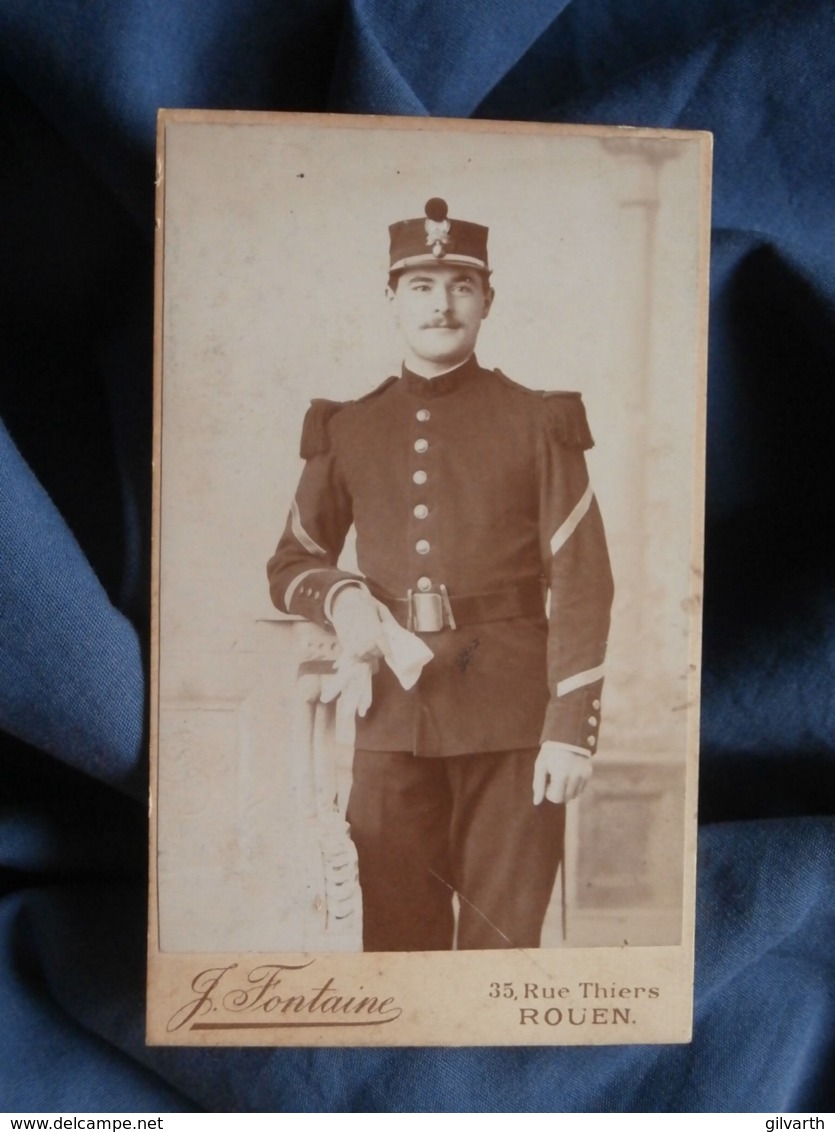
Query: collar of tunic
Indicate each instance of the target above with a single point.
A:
(444, 384)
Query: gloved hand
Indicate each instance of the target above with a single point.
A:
(560, 773)
(367, 630)
(356, 621)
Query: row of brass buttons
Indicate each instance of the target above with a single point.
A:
(591, 739)
(421, 511)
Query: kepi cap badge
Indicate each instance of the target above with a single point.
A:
(435, 237)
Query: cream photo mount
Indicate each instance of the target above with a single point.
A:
(272, 260)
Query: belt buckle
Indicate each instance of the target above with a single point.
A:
(426, 613)
(429, 612)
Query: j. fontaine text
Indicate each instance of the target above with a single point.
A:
(269, 997)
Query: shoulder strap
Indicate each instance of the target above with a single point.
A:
(377, 391)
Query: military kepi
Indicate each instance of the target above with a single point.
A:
(437, 239)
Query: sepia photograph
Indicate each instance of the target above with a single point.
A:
(429, 488)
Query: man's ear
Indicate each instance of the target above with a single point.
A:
(489, 296)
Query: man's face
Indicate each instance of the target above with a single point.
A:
(438, 310)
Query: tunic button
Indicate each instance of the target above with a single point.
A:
(593, 720)
(421, 511)
(424, 584)
(422, 546)
(596, 705)
(591, 740)
(421, 445)
(419, 477)
(423, 414)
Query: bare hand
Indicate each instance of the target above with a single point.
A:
(559, 774)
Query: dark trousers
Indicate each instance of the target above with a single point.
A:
(428, 828)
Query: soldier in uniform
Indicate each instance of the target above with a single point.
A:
(476, 529)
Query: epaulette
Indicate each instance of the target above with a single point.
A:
(567, 419)
(315, 430)
(565, 411)
(315, 438)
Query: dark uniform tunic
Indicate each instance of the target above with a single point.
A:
(474, 482)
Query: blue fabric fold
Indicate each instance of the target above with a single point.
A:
(433, 58)
(70, 666)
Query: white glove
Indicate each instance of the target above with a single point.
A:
(350, 686)
(406, 655)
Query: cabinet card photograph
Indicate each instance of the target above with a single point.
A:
(429, 462)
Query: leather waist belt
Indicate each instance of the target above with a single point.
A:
(436, 610)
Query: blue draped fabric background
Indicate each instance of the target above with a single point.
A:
(80, 83)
